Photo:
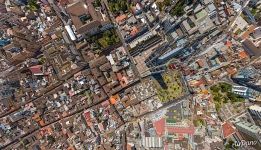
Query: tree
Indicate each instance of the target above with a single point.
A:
(217, 98)
(107, 33)
(215, 88)
(97, 3)
(226, 99)
(218, 106)
(225, 87)
(42, 60)
(118, 5)
(33, 5)
(167, 2)
(178, 10)
(160, 5)
(232, 97)
(230, 145)
(50, 139)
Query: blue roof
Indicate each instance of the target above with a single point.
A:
(4, 42)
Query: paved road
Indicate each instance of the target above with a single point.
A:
(123, 41)
(239, 13)
(165, 106)
(58, 11)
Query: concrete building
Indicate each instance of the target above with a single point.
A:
(255, 112)
(248, 77)
(244, 92)
(249, 130)
(84, 17)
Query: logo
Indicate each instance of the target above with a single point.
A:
(244, 143)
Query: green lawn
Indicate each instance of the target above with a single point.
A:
(168, 120)
(174, 87)
(222, 94)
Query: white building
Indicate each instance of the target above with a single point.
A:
(240, 90)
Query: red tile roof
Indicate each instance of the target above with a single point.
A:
(134, 31)
(231, 70)
(242, 54)
(246, 34)
(166, 147)
(181, 137)
(197, 83)
(37, 70)
(114, 98)
(227, 129)
(87, 116)
(160, 126)
(105, 103)
(120, 18)
(129, 146)
(119, 76)
(228, 43)
(182, 130)
(200, 63)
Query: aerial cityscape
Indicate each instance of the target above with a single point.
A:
(130, 75)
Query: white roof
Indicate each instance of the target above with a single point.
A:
(239, 89)
(257, 33)
(255, 107)
(152, 142)
(110, 58)
(211, 7)
(70, 32)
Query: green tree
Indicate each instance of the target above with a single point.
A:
(97, 3)
(218, 106)
(160, 5)
(226, 99)
(178, 10)
(107, 33)
(33, 5)
(215, 88)
(50, 139)
(225, 87)
(232, 97)
(118, 5)
(167, 2)
(229, 145)
(216, 98)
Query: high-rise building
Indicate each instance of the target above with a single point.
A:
(246, 92)
(157, 61)
(249, 130)
(248, 77)
(255, 112)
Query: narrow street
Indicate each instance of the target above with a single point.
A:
(122, 41)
